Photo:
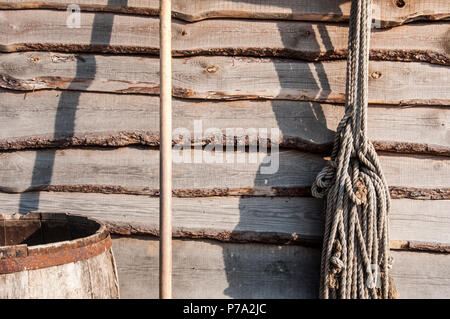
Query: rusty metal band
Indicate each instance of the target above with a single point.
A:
(54, 258)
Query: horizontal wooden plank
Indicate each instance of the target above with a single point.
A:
(195, 172)
(222, 78)
(213, 270)
(136, 170)
(204, 269)
(46, 30)
(278, 220)
(68, 118)
(389, 13)
(421, 275)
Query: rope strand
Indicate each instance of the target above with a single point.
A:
(355, 253)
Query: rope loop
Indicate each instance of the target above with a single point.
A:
(356, 235)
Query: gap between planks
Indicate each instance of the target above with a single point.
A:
(151, 141)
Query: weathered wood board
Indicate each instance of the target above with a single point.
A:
(225, 78)
(113, 184)
(296, 220)
(196, 172)
(421, 275)
(388, 12)
(68, 118)
(136, 170)
(207, 269)
(87, 279)
(104, 32)
(212, 270)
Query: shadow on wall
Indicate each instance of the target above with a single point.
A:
(67, 108)
(278, 279)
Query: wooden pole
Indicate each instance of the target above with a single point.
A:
(165, 125)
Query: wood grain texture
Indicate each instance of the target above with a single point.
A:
(211, 270)
(67, 118)
(77, 283)
(388, 12)
(421, 275)
(287, 220)
(224, 78)
(135, 171)
(14, 285)
(93, 278)
(204, 269)
(46, 30)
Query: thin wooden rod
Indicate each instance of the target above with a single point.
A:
(165, 125)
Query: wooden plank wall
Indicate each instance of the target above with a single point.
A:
(79, 133)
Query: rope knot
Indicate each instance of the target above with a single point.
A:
(336, 258)
(324, 180)
(337, 265)
(357, 205)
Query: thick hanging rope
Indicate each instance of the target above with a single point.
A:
(355, 255)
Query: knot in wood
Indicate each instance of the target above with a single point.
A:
(375, 75)
(35, 59)
(212, 69)
(399, 3)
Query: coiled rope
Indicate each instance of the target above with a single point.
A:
(355, 255)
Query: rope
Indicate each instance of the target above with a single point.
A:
(355, 255)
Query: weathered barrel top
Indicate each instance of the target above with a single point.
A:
(55, 255)
(79, 133)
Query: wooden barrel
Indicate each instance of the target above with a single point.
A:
(46, 255)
